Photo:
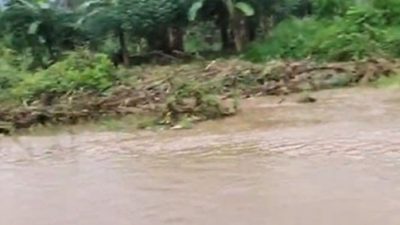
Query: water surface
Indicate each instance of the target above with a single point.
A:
(333, 162)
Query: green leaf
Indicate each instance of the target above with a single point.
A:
(246, 8)
(87, 4)
(44, 5)
(84, 18)
(194, 9)
(34, 27)
(28, 4)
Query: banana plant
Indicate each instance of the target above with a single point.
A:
(231, 6)
(101, 18)
(38, 26)
(233, 12)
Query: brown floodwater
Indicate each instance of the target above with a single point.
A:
(333, 162)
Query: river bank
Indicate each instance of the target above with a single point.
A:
(180, 95)
(338, 114)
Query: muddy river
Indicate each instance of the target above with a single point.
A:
(336, 161)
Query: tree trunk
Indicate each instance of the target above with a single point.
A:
(240, 31)
(159, 41)
(223, 22)
(251, 30)
(265, 24)
(52, 54)
(123, 47)
(37, 55)
(37, 59)
(176, 39)
(226, 38)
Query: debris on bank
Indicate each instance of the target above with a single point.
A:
(199, 91)
(306, 99)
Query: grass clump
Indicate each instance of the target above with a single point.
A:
(389, 82)
(79, 71)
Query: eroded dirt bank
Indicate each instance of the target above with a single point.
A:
(196, 92)
(336, 161)
(338, 117)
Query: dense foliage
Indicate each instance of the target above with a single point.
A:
(79, 71)
(357, 31)
(43, 31)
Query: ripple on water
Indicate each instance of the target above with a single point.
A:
(345, 169)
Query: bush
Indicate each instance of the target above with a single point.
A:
(390, 9)
(392, 40)
(362, 32)
(290, 39)
(357, 35)
(9, 76)
(81, 70)
(331, 8)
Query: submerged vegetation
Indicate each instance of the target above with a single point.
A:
(175, 62)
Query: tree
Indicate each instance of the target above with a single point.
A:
(230, 17)
(160, 22)
(103, 17)
(39, 27)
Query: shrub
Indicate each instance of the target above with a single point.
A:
(391, 43)
(390, 9)
(362, 32)
(9, 76)
(290, 39)
(331, 8)
(81, 70)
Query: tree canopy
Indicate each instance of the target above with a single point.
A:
(45, 29)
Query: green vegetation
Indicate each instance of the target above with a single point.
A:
(362, 31)
(389, 82)
(64, 61)
(79, 71)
